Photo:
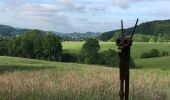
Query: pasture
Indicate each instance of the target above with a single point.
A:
(137, 48)
(154, 63)
(28, 79)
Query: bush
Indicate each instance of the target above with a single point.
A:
(164, 53)
(109, 58)
(67, 57)
(89, 52)
(152, 53)
(145, 55)
(91, 60)
(132, 63)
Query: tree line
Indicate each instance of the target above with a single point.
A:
(32, 44)
(155, 31)
(47, 46)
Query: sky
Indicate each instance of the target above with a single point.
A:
(81, 15)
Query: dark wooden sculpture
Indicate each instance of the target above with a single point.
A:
(124, 44)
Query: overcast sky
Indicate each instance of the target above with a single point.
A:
(80, 15)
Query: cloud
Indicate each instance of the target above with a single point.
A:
(70, 5)
(39, 15)
(2, 8)
(79, 15)
(97, 8)
(124, 4)
(160, 13)
(46, 10)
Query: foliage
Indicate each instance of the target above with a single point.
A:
(28, 41)
(89, 51)
(14, 47)
(91, 46)
(106, 36)
(109, 58)
(136, 50)
(165, 53)
(33, 44)
(68, 57)
(76, 36)
(157, 29)
(115, 36)
(152, 53)
(89, 54)
(144, 38)
(52, 47)
(3, 46)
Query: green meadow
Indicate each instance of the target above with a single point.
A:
(30, 79)
(137, 48)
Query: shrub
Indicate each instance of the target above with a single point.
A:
(89, 52)
(152, 53)
(109, 58)
(67, 57)
(132, 64)
(164, 53)
(145, 55)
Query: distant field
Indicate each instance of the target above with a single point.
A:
(137, 48)
(157, 62)
(28, 79)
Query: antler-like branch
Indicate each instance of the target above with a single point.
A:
(122, 28)
(134, 28)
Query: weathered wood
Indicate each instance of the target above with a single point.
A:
(124, 44)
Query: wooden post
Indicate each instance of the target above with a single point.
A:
(124, 45)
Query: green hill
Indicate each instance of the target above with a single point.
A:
(159, 28)
(28, 79)
(7, 31)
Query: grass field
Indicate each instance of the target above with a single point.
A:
(137, 48)
(28, 79)
(157, 62)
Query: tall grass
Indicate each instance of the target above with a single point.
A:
(78, 82)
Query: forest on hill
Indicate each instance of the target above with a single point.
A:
(145, 32)
(8, 31)
(154, 31)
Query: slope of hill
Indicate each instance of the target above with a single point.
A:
(76, 36)
(28, 79)
(159, 28)
(8, 31)
(157, 62)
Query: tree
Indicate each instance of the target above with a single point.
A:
(89, 51)
(154, 53)
(109, 58)
(152, 39)
(38, 45)
(115, 36)
(91, 46)
(29, 41)
(3, 46)
(52, 47)
(14, 47)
